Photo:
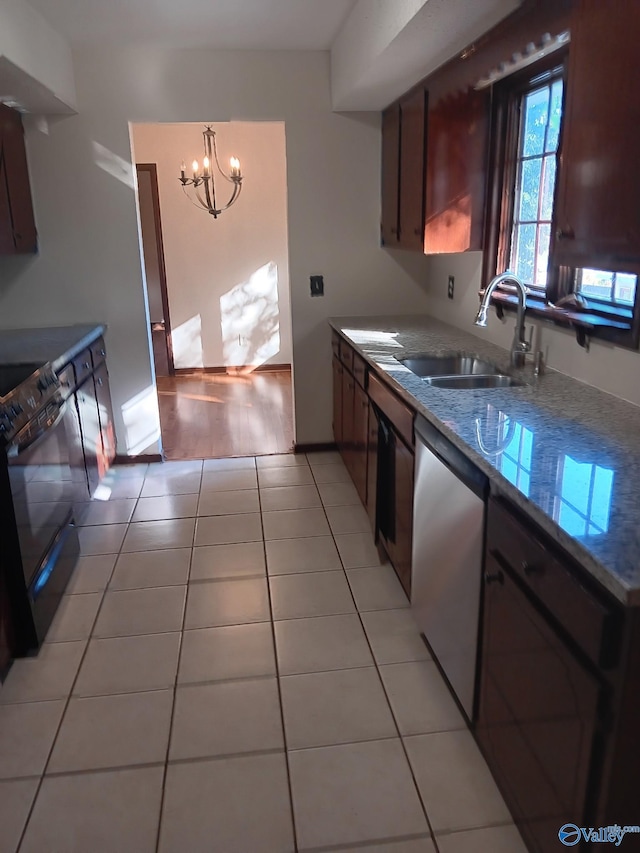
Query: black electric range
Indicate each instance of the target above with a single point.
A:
(37, 497)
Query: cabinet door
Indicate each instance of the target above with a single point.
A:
(372, 468)
(17, 226)
(105, 417)
(538, 714)
(90, 430)
(390, 175)
(337, 401)
(348, 399)
(360, 437)
(412, 170)
(457, 148)
(401, 558)
(597, 210)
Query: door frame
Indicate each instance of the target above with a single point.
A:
(152, 169)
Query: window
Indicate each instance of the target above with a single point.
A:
(527, 127)
(535, 167)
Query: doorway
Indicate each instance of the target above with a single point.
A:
(153, 255)
(222, 339)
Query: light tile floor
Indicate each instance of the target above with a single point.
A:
(233, 671)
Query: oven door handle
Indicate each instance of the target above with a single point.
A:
(18, 447)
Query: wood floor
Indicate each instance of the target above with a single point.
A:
(216, 415)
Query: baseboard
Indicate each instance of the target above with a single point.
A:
(315, 448)
(240, 370)
(134, 460)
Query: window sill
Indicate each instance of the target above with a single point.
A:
(585, 323)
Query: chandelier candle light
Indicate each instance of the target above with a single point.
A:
(203, 182)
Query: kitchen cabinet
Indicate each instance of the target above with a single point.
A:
(17, 225)
(350, 413)
(457, 151)
(93, 442)
(554, 716)
(597, 212)
(403, 165)
(337, 401)
(374, 432)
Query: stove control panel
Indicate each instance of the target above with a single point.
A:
(20, 405)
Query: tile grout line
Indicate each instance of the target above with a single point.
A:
(66, 705)
(175, 688)
(384, 689)
(277, 667)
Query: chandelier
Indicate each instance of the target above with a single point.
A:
(204, 188)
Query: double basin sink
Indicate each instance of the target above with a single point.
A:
(457, 371)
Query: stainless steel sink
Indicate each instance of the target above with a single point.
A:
(448, 365)
(496, 380)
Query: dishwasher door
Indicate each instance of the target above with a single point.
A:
(448, 542)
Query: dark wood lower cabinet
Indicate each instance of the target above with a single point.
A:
(360, 437)
(543, 713)
(337, 400)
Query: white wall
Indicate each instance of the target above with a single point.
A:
(609, 368)
(89, 264)
(211, 262)
(30, 44)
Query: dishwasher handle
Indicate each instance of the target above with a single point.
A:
(452, 457)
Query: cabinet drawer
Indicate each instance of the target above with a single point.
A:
(346, 355)
(83, 366)
(592, 622)
(359, 370)
(400, 415)
(98, 352)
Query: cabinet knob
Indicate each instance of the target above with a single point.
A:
(565, 234)
(102, 353)
(496, 577)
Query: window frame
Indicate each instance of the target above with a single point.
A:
(621, 325)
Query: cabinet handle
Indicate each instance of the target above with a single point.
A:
(101, 353)
(497, 577)
(565, 234)
(86, 365)
(99, 382)
(528, 569)
(417, 232)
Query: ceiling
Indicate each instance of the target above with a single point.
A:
(221, 24)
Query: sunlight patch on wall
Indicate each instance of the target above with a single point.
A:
(113, 165)
(187, 343)
(250, 319)
(141, 420)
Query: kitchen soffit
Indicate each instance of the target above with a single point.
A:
(221, 24)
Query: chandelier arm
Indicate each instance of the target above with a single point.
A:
(220, 169)
(234, 196)
(198, 203)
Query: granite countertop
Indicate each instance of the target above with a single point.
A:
(57, 345)
(564, 452)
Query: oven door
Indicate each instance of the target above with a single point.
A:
(44, 491)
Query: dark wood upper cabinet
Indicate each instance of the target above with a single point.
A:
(403, 166)
(17, 225)
(413, 115)
(457, 150)
(390, 175)
(597, 209)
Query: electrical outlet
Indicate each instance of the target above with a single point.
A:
(317, 285)
(450, 287)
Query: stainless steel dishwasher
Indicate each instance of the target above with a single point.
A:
(448, 539)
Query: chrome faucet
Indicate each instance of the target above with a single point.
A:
(520, 346)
